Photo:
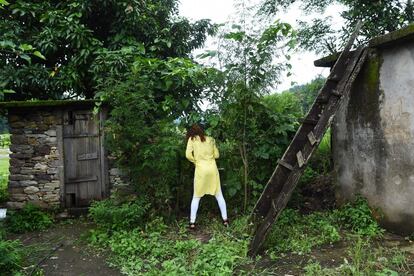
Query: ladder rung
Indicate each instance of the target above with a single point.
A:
(312, 139)
(322, 100)
(285, 164)
(334, 78)
(301, 160)
(336, 93)
(308, 121)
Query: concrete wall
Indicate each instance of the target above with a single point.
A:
(373, 137)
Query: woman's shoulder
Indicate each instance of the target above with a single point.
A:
(210, 139)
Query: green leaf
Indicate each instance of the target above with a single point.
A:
(4, 3)
(39, 55)
(7, 44)
(26, 47)
(26, 57)
(8, 91)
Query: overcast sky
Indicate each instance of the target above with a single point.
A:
(219, 11)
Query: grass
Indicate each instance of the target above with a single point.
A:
(160, 249)
(4, 165)
(365, 258)
(4, 172)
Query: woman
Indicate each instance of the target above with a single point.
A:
(202, 151)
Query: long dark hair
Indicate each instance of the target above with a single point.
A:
(196, 130)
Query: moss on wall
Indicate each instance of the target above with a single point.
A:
(21, 104)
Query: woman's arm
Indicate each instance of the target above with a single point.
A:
(189, 151)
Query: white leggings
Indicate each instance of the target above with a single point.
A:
(196, 201)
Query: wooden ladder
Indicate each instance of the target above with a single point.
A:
(291, 166)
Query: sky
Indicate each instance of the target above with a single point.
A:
(219, 11)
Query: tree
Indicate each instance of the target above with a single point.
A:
(321, 35)
(306, 93)
(144, 130)
(73, 35)
(247, 54)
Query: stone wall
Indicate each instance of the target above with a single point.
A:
(119, 183)
(35, 160)
(373, 137)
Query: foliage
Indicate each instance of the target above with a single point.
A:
(4, 128)
(299, 234)
(29, 218)
(11, 256)
(247, 54)
(358, 217)
(306, 93)
(3, 188)
(271, 124)
(4, 140)
(323, 35)
(4, 171)
(144, 131)
(364, 260)
(68, 38)
(159, 249)
(111, 215)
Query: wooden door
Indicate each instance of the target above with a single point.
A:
(82, 155)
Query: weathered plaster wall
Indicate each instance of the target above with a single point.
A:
(36, 159)
(373, 141)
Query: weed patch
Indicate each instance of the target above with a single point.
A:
(296, 233)
(30, 218)
(358, 217)
(158, 249)
(363, 259)
(3, 188)
(11, 256)
(111, 215)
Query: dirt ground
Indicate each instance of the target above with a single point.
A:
(61, 251)
(331, 256)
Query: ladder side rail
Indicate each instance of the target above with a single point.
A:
(279, 203)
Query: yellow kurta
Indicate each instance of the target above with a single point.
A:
(206, 175)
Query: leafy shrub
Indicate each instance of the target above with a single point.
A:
(29, 218)
(364, 260)
(145, 131)
(3, 188)
(110, 215)
(11, 256)
(158, 249)
(315, 269)
(357, 216)
(299, 234)
(4, 140)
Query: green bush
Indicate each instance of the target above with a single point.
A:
(3, 188)
(160, 249)
(357, 216)
(364, 259)
(300, 233)
(30, 218)
(110, 215)
(11, 256)
(4, 140)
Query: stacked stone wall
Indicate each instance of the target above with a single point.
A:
(34, 161)
(118, 181)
